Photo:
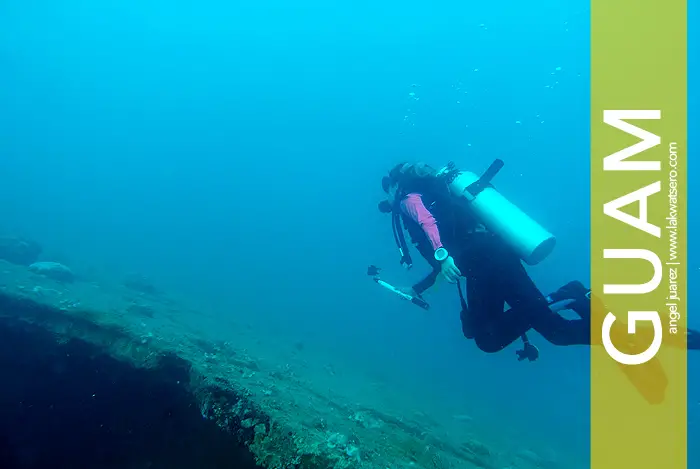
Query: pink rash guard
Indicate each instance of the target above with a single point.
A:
(412, 205)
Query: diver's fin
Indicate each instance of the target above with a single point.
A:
(649, 379)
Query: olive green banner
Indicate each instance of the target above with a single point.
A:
(638, 234)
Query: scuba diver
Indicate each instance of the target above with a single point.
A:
(464, 228)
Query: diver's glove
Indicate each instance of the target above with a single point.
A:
(447, 265)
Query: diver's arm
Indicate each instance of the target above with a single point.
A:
(413, 206)
(427, 282)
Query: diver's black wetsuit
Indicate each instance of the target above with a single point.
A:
(495, 276)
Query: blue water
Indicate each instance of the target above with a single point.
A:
(233, 151)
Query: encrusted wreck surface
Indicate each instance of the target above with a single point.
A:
(130, 377)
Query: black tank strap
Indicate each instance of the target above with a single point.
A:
(485, 180)
(461, 296)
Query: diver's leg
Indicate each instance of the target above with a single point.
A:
(575, 296)
(566, 332)
(526, 300)
(490, 328)
(485, 320)
(581, 305)
(501, 330)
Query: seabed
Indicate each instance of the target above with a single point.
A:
(105, 377)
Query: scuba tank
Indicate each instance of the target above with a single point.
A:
(528, 238)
